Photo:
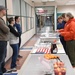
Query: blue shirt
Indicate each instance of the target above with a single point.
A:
(61, 25)
(18, 27)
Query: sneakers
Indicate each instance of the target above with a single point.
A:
(11, 70)
(19, 56)
(14, 69)
(8, 71)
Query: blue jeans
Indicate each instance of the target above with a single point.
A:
(3, 48)
(15, 55)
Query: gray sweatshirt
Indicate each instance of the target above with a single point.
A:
(14, 35)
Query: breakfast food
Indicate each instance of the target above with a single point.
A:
(50, 56)
(59, 71)
(59, 64)
(59, 68)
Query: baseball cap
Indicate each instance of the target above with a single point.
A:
(2, 8)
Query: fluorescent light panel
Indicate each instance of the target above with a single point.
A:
(47, 0)
(39, 8)
(71, 2)
(44, 0)
(51, 0)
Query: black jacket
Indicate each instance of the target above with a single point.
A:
(13, 31)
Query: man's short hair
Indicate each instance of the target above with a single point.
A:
(2, 8)
(16, 17)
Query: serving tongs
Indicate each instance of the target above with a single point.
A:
(59, 59)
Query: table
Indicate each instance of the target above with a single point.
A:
(32, 66)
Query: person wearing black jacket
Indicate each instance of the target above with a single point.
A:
(13, 40)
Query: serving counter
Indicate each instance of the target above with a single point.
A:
(32, 66)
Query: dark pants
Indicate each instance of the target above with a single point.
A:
(15, 54)
(3, 49)
(3, 67)
(63, 43)
(19, 41)
(19, 45)
(70, 47)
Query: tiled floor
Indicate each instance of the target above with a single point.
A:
(32, 41)
(20, 62)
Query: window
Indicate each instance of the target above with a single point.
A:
(29, 23)
(29, 19)
(2, 2)
(27, 7)
(9, 7)
(23, 8)
(16, 7)
(23, 24)
(30, 12)
(32, 22)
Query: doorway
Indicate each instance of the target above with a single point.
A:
(44, 17)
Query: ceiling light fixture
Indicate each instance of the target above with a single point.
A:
(71, 2)
(39, 8)
(51, 0)
(47, 0)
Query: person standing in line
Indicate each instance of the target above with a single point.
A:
(18, 26)
(4, 31)
(61, 25)
(13, 41)
(61, 22)
(69, 36)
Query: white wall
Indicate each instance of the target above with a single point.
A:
(26, 36)
(9, 52)
(65, 9)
